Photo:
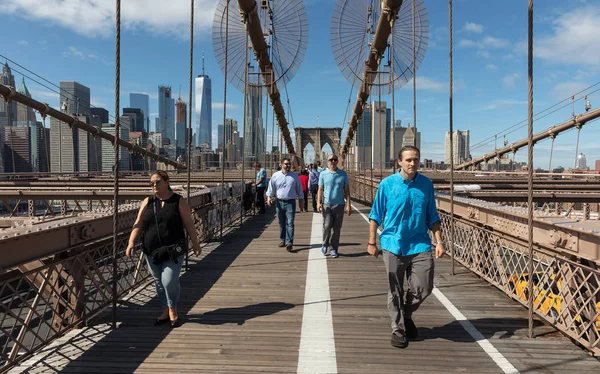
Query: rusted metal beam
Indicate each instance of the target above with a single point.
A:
(379, 44)
(538, 196)
(577, 121)
(44, 109)
(558, 233)
(249, 9)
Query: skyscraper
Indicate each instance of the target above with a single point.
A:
(203, 108)
(220, 136)
(141, 101)
(180, 124)
(101, 113)
(253, 141)
(25, 114)
(166, 113)
(76, 96)
(137, 119)
(7, 79)
(461, 146)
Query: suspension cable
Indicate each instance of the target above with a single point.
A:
(116, 164)
(225, 108)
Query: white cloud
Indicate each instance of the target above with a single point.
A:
(561, 91)
(510, 80)
(93, 18)
(425, 83)
(467, 43)
(575, 38)
(502, 104)
(473, 27)
(72, 51)
(483, 53)
(490, 41)
(23, 42)
(230, 106)
(491, 67)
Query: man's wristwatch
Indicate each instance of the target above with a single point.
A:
(442, 243)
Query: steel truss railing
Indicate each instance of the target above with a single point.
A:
(43, 299)
(566, 286)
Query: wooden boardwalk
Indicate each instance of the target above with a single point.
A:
(243, 305)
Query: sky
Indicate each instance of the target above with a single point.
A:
(75, 40)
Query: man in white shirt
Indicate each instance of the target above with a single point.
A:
(286, 186)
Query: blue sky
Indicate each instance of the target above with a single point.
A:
(74, 40)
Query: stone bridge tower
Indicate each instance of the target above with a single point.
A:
(318, 137)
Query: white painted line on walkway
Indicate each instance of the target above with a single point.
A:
(317, 343)
(488, 348)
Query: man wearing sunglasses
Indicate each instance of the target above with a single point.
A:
(286, 186)
(333, 188)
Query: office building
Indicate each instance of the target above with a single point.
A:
(253, 136)
(101, 113)
(166, 113)
(136, 119)
(25, 114)
(203, 108)
(460, 146)
(7, 79)
(108, 150)
(402, 139)
(74, 150)
(141, 101)
(76, 97)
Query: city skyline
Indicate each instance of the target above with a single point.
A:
(489, 69)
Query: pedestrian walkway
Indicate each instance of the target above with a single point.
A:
(249, 306)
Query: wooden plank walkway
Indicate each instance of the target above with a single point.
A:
(242, 309)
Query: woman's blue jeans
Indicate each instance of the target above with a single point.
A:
(166, 281)
(286, 211)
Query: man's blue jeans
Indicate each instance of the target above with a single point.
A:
(286, 211)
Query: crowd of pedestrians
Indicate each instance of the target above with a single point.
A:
(404, 206)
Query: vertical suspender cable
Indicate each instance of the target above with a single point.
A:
(551, 151)
(244, 123)
(116, 165)
(530, 162)
(450, 237)
(224, 110)
(189, 128)
(576, 146)
(414, 69)
(393, 80)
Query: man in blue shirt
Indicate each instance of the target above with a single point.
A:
(405, 205)
(333, 187)
(261, 186)
(285, 185)
(313, 185)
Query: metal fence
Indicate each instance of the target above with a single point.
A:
(566, 290)
(43, 299)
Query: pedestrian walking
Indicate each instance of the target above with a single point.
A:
(261, 186)
(285, 186)
(313, 186)
(334, 187)
(161, 220)
(405, 206)
(304, 183)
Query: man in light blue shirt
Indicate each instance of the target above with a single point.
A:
(405, 205)
(261, 186)
(285, 185)
(333, 188)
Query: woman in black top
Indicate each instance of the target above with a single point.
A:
(161, 219)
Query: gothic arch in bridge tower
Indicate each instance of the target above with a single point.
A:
(318, 137)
